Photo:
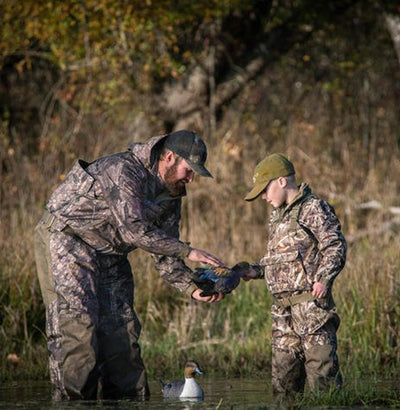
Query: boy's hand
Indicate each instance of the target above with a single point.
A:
(207, 299)
(319, 290)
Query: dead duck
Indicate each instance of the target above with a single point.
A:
(188, 388)
(215, 280)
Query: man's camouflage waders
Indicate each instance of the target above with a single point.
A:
(100, 213)
(305, 246)
(92, 328)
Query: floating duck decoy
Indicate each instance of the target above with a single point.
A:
(214, 280)
(188, 388)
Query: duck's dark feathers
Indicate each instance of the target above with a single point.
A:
(214, 280)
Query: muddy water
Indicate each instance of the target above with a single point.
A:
(219, 394)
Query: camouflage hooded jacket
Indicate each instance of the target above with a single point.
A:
(305, 245)
(119, 203)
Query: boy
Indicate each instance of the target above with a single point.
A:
(306, 251)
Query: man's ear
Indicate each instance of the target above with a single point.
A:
(169, 157)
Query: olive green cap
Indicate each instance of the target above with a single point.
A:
(271, 167)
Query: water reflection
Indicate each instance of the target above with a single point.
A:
(220, 393)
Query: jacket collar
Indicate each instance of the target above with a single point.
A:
(304, 193)
(147, 152)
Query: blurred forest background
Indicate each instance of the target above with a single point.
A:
(316, 80)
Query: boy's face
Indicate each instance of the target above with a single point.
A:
(275, 193)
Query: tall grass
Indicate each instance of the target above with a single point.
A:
(233, 336)
(358, 393)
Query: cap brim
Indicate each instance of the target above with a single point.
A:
(255, 192)
(200, 169)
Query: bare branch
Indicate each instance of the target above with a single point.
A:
(393, 25)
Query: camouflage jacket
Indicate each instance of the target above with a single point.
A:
(305, 245)
(119, 203)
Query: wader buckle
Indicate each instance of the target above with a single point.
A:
(48, 219)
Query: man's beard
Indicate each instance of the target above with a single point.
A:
(175, 187)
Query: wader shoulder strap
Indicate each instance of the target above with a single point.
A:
(294, 216)
(295, 212)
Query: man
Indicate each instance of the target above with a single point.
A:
(306, 251)
(100, 213)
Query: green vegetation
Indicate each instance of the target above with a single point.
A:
(328, 97)
(357, 393)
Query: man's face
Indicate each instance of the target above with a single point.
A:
(274, 193)
(177, 175)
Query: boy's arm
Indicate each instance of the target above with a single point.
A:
(320, 218)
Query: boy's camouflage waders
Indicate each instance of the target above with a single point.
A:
(100, 212)
(305, 246)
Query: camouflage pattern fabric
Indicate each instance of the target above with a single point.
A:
(117, 203)
(92, 328)
(104, 210)
(305, 246)
(297, 357)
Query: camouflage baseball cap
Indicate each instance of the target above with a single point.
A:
(271, 167)
(188, 145)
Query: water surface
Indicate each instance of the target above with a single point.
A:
(219, 393)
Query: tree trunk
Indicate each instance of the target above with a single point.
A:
(393, 25)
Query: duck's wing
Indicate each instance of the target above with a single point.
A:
(227, 284)
(173, 388)
(204, 279)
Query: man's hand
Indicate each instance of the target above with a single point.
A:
(319, 290)
(207, 299)
(197, 255)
